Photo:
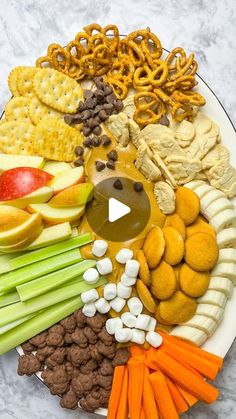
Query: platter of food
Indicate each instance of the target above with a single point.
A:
(117, 226)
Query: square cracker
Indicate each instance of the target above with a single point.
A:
(55, 140)
(39, 111)
(16, 137)
(57, 90)
(17, 109)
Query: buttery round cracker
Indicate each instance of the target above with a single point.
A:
(24, 81)
(38, 111)
(55, 140)
(57, 90)
(12, 80)
(16, 109)
(16, 137)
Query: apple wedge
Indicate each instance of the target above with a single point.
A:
(66, 179)
(10, 161)
(56, 167)
(74, 195)
(11, 217)
(57, 215)
(23, 231)
(51, 235)
(37, 197)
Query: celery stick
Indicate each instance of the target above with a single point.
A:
(12, 325)
(8, 299)
(38, 324)
(46, 252)
(54, 280)
(10, 280)
(17, 311)
(4, 261)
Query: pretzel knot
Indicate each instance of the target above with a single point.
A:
(181, 111)
(188, 97)
(186, 82)
(133, 51)
(93, 27)
(172, 57)
(120, 89)
(122, 70)
(149, 43)
(96, 63)
(111, 33)
(60, 59)
(148, 108)
(44, 61)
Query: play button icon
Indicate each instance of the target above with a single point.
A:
(117, 210)
(118, 215)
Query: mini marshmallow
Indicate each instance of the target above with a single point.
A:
(91, 276)
(135, 306)
(124, 255)
(110, 291)
(123, 291)
(132, 268)
(89, 296)
(154, 339)
(138, 336)
(89, 310)
(128, 281)
(128, 319)
(117, 304)
(102, 306)
(104, 266)
(152, 324)
(143, 321)
(112, 325)
(123, 335)
(99, 248)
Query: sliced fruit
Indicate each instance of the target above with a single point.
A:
(212, 311)
(213, 297)
(227, 270)
(192, 334)
(69, 178)
(202, 190)
(22, 232)
(57, 215)
(56, 167)
(51, 235)
(221, 284)
(206, 324)
(226, 238)
(37, 197)
(11, 217)
(194, 184)
(23, 244)
(227, 255)
(21, 181)
(210, 197)
(215, 207)
(10, 161)
(224, 219)
(74, 195)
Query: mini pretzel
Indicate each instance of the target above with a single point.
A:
(172, 57)
(133, 51)
(114, 40)
(142, 79)
(61, 59)
(148, 78)
(89, 29)
(189, 97)
(98, 62)
(44, 62)
(148, 108)
(164, 97)
(122, 70)
(186, 82)
(181, 70)
(120, 88)
(77, 47)
(181, 111)
(84, 38)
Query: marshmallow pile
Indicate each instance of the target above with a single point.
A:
(131, 326)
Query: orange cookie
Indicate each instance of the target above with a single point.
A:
(201, 252)
(187, 205)
(164, 283)
(154, 247)
(193, 283)
(174, 250)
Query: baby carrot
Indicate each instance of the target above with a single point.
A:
(162, 395)
(122, 411)
(149, 402)
(135, 387)
(117, 384)
(180, 403)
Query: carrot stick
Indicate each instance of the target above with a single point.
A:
(142, 414)
(115, 391)
(180, 374)
(135, 387)
(190, 399)
(122, 411)
(136, 351)
(185, 345)
(162, 395)
(149, 402)
(180, 403)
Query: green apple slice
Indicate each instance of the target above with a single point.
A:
(10, 161)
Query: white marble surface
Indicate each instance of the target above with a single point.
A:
(207, 27)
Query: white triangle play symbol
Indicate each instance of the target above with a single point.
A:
(117, 210)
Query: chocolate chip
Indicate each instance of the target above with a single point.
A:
(108, 106)
(164, 121)
(85, 115)
(96, 142)
(112, 155)
(99, 94)
(81, 106)
(97, 109)
(105, 140)
(118, 184)
(103, 115)
(92, 123)
(111, 164)
(79, 162)
(118, 104)
(68, 119)
(138, 186)
(87, 143)
(98, 82)
(99, 165)
(90, 103)
(108, 90)
(111, 98)
(88, 94)
(97, 130)
(86, 131)
(79, 151)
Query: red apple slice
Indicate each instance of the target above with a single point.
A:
(21, 181)
(69, 178)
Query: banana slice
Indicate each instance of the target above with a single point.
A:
(227, 255)
(194, 184)
(202, 190)
(215, 207)
(224, 219)
(226, 238)
(221, 284)
(210, 197)
(216, 298)
(191, 334)
(203, 323)
(214, 312)
(227, 270)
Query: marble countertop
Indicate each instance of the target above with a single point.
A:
(207, 27)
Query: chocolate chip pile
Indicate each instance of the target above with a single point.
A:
(77, 358)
